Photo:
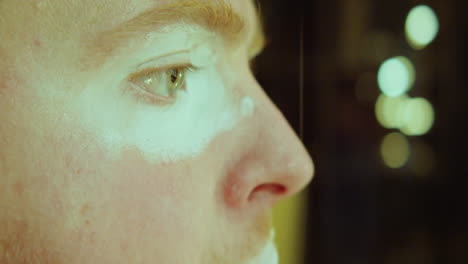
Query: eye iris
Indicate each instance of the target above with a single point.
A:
(176, 78)
(174, 75)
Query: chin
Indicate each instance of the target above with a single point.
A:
(269, 254)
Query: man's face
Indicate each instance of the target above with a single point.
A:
(133, 131)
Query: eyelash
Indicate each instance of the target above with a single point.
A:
(142, 95)
(147, 97)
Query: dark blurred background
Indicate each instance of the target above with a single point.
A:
(383, 192)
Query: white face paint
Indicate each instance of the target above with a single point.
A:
(247, 106)
(203, 55)
(180, 130)
(269, 254)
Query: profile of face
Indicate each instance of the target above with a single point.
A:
(133, 131)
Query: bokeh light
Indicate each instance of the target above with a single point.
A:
(413, 116)
(395, 150)
(390, 111)
(418, 116)
(396, 76)
(421, 26)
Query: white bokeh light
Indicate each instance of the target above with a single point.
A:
(396, 76)
(421, 26)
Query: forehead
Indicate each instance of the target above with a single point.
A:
(102, 14)
(32, 29)
(70, 21)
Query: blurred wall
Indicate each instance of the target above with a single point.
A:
(360, 209)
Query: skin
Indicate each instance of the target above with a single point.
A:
(67, 195)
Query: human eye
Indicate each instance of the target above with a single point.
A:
(159, 85)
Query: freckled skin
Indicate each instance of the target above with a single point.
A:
(65, 198)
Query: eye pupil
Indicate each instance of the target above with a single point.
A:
(174, 75)
(176, 79)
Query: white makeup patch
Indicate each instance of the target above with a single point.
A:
(269, 254)
(247, 106)
(203, 55)
(165, 133)
(40, 4)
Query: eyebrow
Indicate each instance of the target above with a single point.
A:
(215, 15)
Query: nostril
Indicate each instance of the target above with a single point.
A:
(273, 189)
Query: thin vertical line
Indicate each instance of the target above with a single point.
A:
(301, 78)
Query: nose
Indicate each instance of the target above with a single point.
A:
(271, 163)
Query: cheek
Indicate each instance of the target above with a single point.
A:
(143, 200)
(132, 173)
(124, 201)
(127, 182)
